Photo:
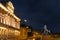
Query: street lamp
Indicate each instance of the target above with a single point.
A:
(25, 20)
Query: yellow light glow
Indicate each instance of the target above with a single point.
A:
(3, 7)
(16, 31)
(33, 38)
(2, 28)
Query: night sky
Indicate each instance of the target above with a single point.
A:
(38, 13)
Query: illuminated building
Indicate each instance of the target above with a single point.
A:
(25, 32)
(9, 22)
(47, 37)
(56, 36)
(37, 35)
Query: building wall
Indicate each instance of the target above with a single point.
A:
(8, 33)
(23, 34)
(7, 19)
(37, 35)
(9, 25)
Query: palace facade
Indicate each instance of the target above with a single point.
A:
(9, 22)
